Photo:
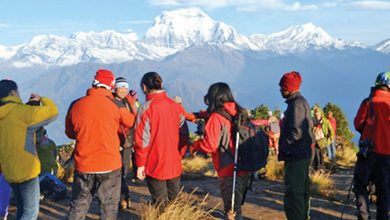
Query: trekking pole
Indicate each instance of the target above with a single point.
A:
(345, 204)
(231, 214)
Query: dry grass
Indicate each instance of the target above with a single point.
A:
(185, 206)
(346, 156)
(274, 169)
(198, 165)
(321, 184)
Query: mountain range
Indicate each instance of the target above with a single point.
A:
(191, 51)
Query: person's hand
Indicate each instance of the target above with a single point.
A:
(141, 172)
(35, 97)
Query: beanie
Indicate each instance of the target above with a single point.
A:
(104, 78)
(291, 81)
(121, 82)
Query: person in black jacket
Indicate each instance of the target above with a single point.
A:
(295, 144)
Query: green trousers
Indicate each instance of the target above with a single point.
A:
(297, 197)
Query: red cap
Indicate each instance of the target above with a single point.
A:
(291, 81)
(104, 78)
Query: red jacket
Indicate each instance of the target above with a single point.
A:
(218, 131)
(158, 130)
(363, 122)
(381, 128)
(333, 123)
(93, 121)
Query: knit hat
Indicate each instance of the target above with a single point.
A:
(104, 78)
(383, 79)
(291, 81)
(121, 82)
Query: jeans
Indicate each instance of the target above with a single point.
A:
(381, 178)
(361, 178)
(226, 187)
(85, 185)
(331, 150)
(27, 199)
(5, 194)
(297, 196)
(163, 190)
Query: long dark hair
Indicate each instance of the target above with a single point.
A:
(152, 81)
(217, 95)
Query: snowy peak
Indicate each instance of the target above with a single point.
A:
(182, 28)
(383, 46)
(298, 38)
(103, 47)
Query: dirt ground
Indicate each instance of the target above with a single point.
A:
(265, 201)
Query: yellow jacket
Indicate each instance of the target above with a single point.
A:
(19, 160)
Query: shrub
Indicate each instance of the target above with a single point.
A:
(274, 169)
(321, 184)
(197, 165)
(185, 206)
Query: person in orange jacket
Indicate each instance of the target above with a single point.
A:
(93, 121)
(159, 131)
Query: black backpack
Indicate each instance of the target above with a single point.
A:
(253, 145)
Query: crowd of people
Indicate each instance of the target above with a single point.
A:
(112, 129)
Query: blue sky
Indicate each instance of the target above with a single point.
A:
(364, 21)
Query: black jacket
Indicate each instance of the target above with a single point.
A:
(297, 130)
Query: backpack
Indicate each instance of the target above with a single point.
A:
(253, 147)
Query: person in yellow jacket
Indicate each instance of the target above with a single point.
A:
(19, 161)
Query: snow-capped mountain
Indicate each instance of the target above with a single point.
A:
(7, 52)
(83, 47)
(298, 39)
(182, 28)
(173, 32)
(383, 46)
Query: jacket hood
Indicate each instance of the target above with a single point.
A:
(230, 107)
(5, 109)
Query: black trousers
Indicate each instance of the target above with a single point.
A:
(126, 158)
(363, 174)
(381, 173)
(85, 185)
(163, 191)
(226, 187)
(318, 160)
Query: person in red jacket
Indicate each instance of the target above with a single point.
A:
(218, 131)
(380, 136)
(93, 121)
(364, 165)
(158, 133)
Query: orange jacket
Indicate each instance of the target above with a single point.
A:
(93, 121)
